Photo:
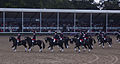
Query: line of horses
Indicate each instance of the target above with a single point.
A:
(62, 43)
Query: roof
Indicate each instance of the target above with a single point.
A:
(57, 10)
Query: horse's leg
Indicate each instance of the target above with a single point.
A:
(65, 44)
(15, 48)
(61, 46)
(90, 47)
(110, 44)
(103, 44)
(49, 47)
(29, 49)
(100, 43)
(75, 48)
(78, 49)
(40, 47)
(25, 47)
(52, 48)
(117, 38)
(85, 47)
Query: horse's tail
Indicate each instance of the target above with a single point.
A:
(43, 45)
(111, 40)
(94, 41)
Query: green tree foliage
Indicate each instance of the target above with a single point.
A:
(55, 4)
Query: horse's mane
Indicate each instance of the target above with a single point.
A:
(12, 37)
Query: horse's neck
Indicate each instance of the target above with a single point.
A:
(13, 39)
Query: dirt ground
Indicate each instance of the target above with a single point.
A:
(69, 56)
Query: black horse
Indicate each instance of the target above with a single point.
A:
(118, 37)
(77, 42)
(105, 40)
(92, 41)
(88, 43)
(40, 43)
(65, 41)
(15, 43)
(52, 44)
(84, 43)
(98, 37)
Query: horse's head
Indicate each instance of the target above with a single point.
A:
(48, 39)
(27, 38)
(11, 38)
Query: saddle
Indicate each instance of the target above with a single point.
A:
(18, 40)
(33, 40)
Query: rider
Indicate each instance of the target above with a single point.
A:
(19, 37)
(81, 37)
(104, 35)
(85, 35)
(34, 37)
(61, 35)
(56, 37)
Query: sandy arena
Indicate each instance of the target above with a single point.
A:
(69, 56)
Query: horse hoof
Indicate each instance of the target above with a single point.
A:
(40, 50)
(51, 50)
(89, 50)
(62, 50)
(103, 47)
(78, 51)
(110, 46)
(67, 46)
(14, 51)
(92, 46)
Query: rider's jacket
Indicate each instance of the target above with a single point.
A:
(34, 37)
(85, 36)
(61, 36)
(103, 35)
(81, 38)
(56, 37)
(19, 38)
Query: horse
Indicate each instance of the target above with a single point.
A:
(77, 42)
(40, 43)
(118, 37)
(98, 37)
(52, 44)
(65, 41)
(84, 43)
(88, 43)
(92, 41)
(105, 40)
(15, 43)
